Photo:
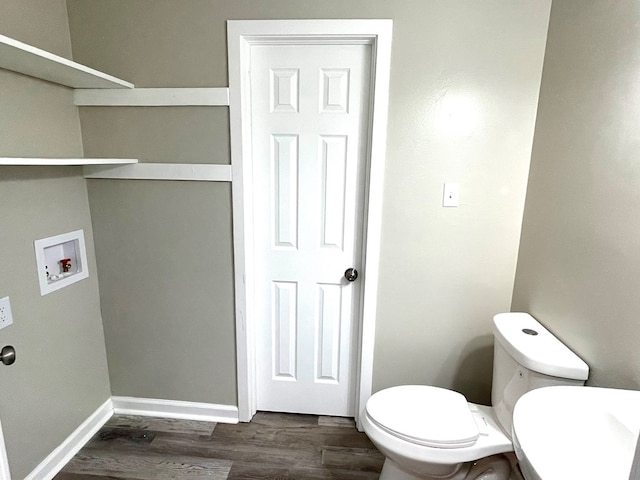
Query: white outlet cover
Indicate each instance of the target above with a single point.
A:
(6, 317)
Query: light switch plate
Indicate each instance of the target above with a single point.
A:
(451, 195)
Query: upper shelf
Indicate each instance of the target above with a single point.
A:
(65, 161)
(28, 60)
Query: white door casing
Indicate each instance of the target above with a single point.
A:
(242, 37)
(309, 125)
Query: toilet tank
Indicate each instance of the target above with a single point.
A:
(527, 356)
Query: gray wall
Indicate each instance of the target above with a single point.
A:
(164, 249)
(60, 376)
(164, 264)
(464, 88)
(579, 260)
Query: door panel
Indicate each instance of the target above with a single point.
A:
(309, 122)
(285, 190)
(329, 321)
(285, 318)
(334, 166)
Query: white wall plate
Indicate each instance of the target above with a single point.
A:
(53, 253)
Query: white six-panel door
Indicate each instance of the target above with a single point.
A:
(310, 114)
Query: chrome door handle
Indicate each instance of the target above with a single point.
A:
(8, 355)
(351, 274)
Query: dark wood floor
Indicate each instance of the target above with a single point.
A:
(273, 446)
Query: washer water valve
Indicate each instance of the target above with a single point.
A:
(65, 265)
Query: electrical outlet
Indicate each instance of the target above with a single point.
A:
(6, 318)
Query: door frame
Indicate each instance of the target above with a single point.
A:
(242, 35)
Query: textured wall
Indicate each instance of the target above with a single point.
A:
(60, 376)
(162, 251)
(579, 260)
(161, 135)
(40, 23)
(464, 87)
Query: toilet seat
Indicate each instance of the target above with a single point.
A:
(424, 415)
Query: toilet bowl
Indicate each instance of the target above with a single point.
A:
(441, 441)
(428, 433)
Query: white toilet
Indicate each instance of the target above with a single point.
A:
(432, 433)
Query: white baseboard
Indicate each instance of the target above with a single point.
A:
(208, 412)
(50, 466)
(4, 461)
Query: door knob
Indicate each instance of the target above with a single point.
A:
(351, 274)
(8, 355)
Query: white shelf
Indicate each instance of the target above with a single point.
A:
(199, 172)
(28, 60)
(152, 97)
(65, 161)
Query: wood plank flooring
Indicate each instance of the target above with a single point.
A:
(273, 446)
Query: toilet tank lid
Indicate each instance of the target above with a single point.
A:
(536, 348)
